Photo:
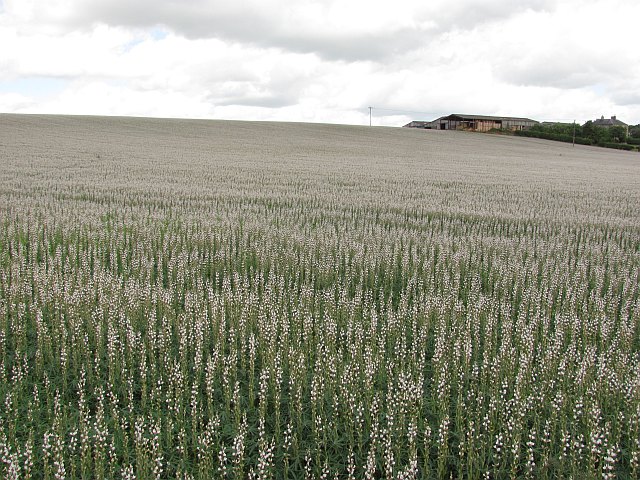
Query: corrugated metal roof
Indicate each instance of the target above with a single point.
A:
(463, 116)
(417, 123)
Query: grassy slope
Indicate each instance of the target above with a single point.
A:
(316, 153)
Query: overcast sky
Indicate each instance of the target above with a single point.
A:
(322, 61)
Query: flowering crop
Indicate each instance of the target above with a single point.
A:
(200, 299)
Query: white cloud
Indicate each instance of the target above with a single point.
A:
(322, 60)
(14, 102)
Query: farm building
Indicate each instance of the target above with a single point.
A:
(481, 123)
(418, 124)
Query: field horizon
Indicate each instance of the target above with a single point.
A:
(202, 299)
(79, 118)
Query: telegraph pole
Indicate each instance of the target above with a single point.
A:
(574, 133)
(370, 108)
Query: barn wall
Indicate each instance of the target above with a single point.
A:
(481, 125)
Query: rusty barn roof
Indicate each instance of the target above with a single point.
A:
(463, 116)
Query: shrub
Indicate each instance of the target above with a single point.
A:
(559, 137)
(618, 146)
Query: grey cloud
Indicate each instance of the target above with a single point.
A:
(363, 47)
(274, 91)
(270, 101)
(255, 24)
(558, 77)
(469, 15)
(255, 29)
(555, 69)
(626, 97)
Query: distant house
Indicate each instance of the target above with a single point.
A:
(478, 123)
(610, 122)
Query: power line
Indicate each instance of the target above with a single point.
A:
(399, 112)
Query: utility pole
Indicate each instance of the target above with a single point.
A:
(370, 108)
(574, 133)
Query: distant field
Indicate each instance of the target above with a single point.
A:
(216, 299)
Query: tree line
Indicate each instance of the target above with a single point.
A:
(615, 136)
